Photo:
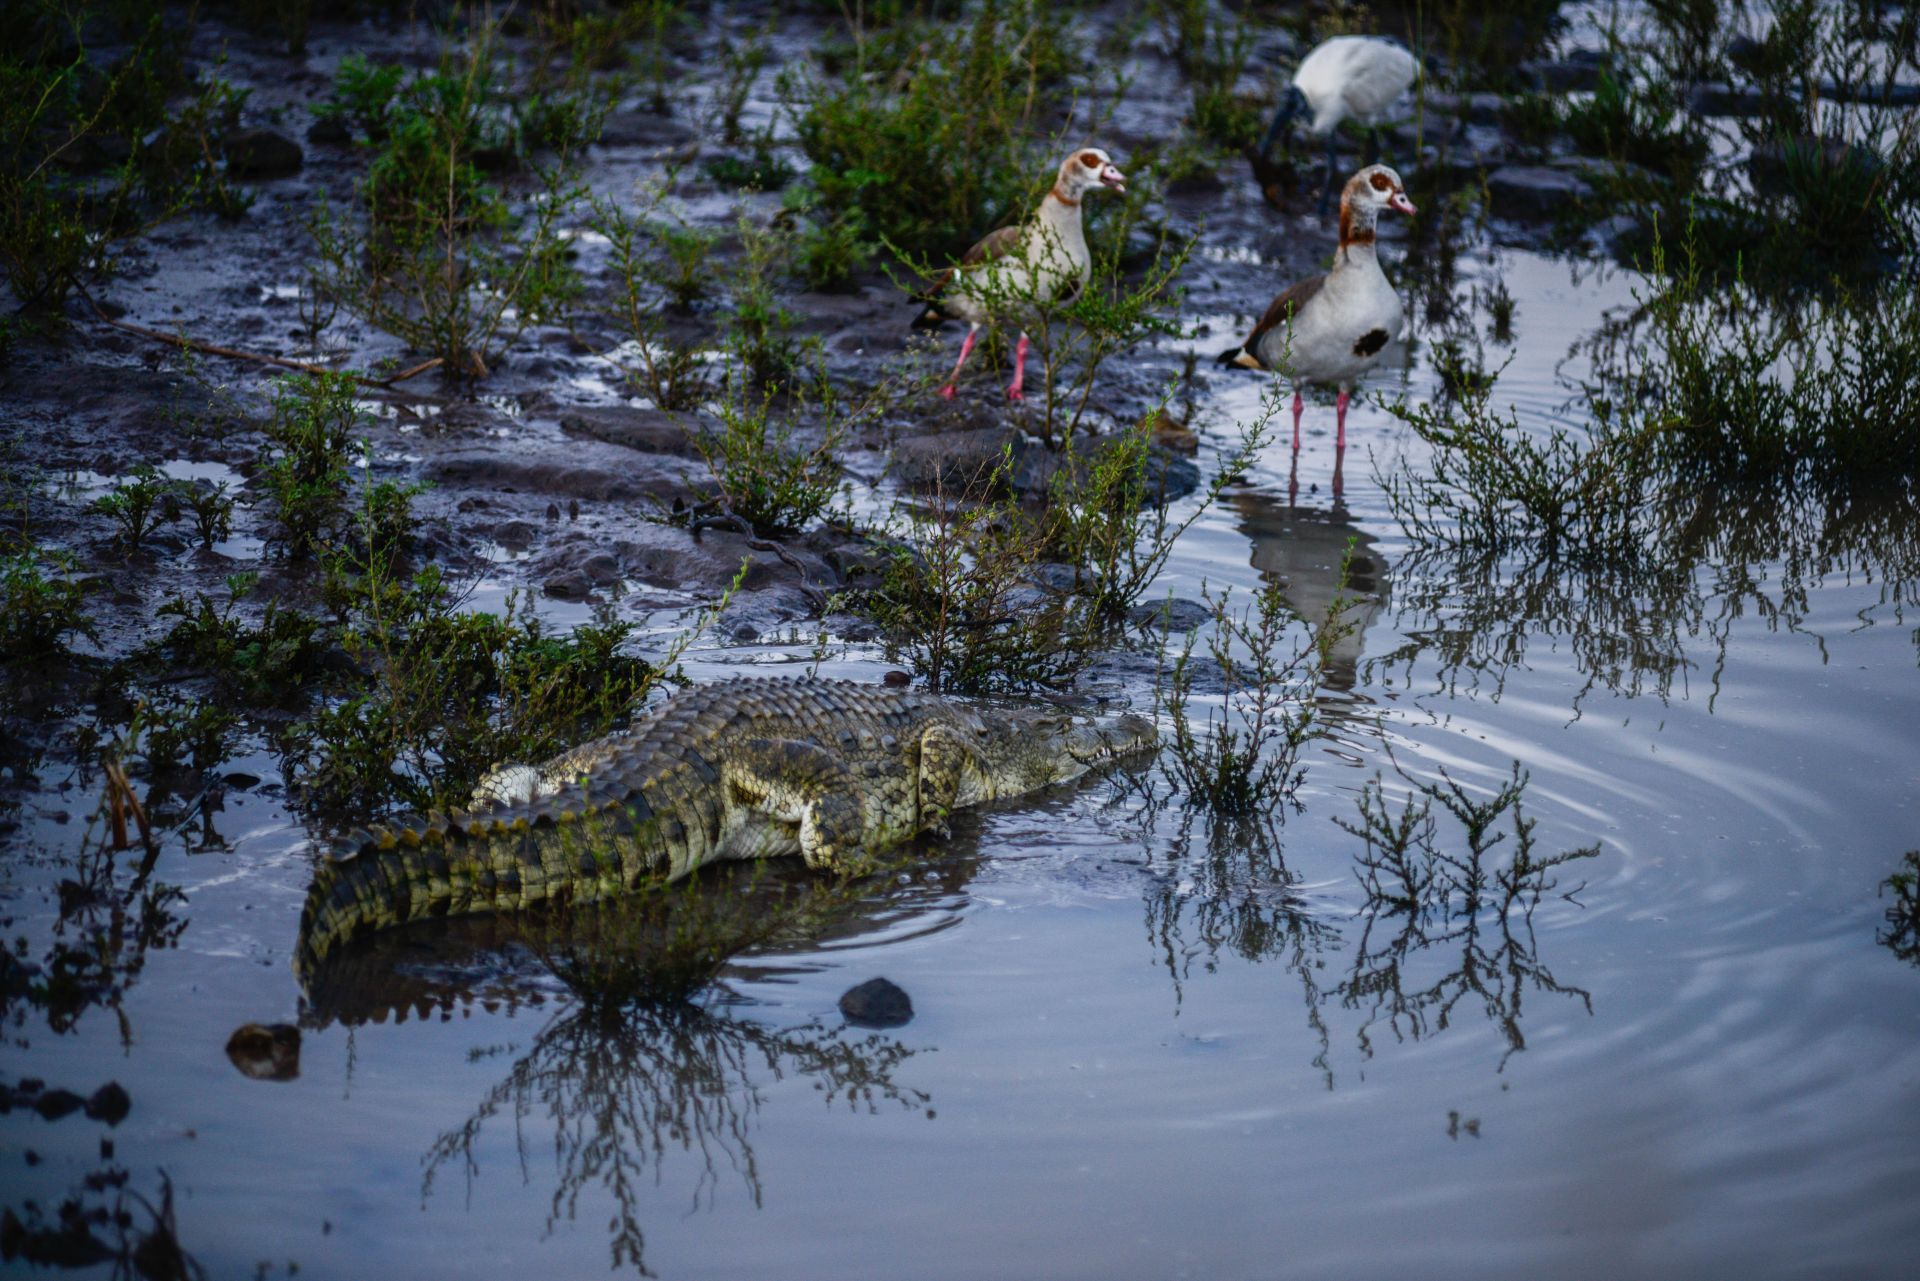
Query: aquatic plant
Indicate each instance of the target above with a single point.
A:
(105, 131)
(1243, 758)
(252, 664)
(140, 504)
(41, 604)
(883, 138)
(436, 254)
(1902, 933)
(310, 427)
(955, 598)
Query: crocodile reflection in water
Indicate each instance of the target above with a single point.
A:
(630, 1091)
(1302, 549)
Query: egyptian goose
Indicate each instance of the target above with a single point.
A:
(1345, 78)
(1040, 260)
(1330, 329)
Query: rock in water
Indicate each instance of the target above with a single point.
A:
(876, 1003)
(110, 1103)
(269, 1052)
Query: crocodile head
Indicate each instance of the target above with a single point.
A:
(1022, 751)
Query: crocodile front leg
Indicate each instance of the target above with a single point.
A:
(945, 757)
(799, 782)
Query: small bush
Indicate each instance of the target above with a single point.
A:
(97, 147)
(1902, 933)
(887, 141)
(1405, 870)
(310, 429)
(140, 505)
(38, 609)
(437, 255)
(763, 477)
(1244, 759)
(956, 599)
(259, 664)
(437, 697)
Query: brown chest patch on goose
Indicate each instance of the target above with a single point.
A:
(1370, 342)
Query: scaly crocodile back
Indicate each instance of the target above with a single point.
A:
(609, 814)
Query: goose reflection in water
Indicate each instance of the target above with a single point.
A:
(1302, 549)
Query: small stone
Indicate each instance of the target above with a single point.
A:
(570, 584)
(240, 780)
(110, 1104)
(876, 1003)
(266, 1052)
(262, 153)
(896, 680)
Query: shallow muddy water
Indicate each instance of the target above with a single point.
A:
(1134, 1053)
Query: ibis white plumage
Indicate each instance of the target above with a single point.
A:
(1346, 78)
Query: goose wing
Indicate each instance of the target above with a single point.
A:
(996, 244)
(1287, 306)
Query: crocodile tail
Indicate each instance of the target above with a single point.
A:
(450, 865)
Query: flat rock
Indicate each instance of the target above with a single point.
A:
(876, 1003)
(1577, 72)
(1534, 191)
(650, 431)
(591, 470)
(1171, 615)
(1718, 98)
(262, 153)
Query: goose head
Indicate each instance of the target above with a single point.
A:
(1374, 189)
(1085, 170)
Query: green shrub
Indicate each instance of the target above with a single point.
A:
(39, 610)
(437, 255)
(310, 429)
(888, 142)
(268, 663)
(1243, 759)
(763, 477)
(95, 147)
(1902, 933)
(140, 505)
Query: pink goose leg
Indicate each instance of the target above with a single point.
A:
(966, 349)
(1340, 444)
(1298, 405)
(1019, 370)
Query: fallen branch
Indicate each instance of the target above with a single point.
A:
(740, 524)
(212, 349)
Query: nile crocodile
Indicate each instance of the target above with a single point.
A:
(744, 769)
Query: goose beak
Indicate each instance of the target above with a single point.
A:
(1112, 177)
(1399, 201)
